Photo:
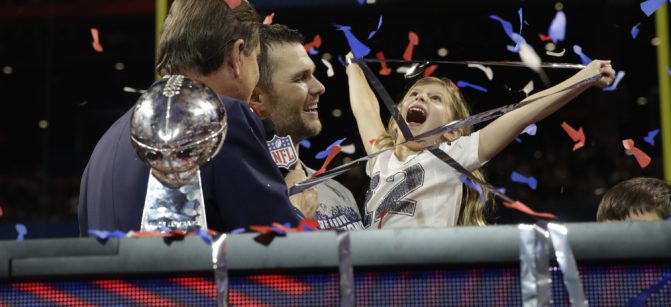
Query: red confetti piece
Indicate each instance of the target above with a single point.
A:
(414, 41)
(519, 206)
(576, 136)
(315, 43)
(641, 157)
(308, 224)
(232, 4)
(1, 212)
(384, 70)
(282, 228)
(544, 38)
(96, 40)
(269, 19)
(261, 229)
(429, 70)
(334, 151)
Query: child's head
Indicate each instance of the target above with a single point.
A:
(428, 104)
(636, 199)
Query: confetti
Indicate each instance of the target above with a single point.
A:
(530, 130)
(233, 4)
(618, 78)
(668, 71)
(475, 187)
(322, 154)
(650, 138)
(558, 27)
(519, 206)
(1, 212)
(578, 50)
(576, 135)
(269, 19)
(238, 230)
(305, 143)
(21, 230)
(205, 236)
(361, 2)
(430, 70)
(544, 38)
(358, 48)
(348, 149)
(650, 6)
(519, 178)
(382, 215)
(634, 30)
(641, 157)
(466, 84)
(529, 57)
(520, 13)
(508, 29)
(96, 40)
(556, 54)
(528, 88)
(329, 68)
(314, 44)
(413, 40)
(488, 71)
(104, 235)
(372, 33)
(129, 89)
(332, 153)
(384, 69)
(308, 225)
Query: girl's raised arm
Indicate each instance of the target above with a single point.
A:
(499, 133)
(365, 107)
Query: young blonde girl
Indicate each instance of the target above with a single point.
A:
(410, 187)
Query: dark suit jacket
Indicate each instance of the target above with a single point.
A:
(241, 185)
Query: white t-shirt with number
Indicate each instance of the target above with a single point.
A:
(422, 191)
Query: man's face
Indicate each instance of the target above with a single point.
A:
(291, 101)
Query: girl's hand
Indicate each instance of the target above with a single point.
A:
(604, 68)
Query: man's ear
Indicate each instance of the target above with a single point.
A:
(235, 58)
(256, 101)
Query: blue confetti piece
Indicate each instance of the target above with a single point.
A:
(379, 24)
(518, 140)
(21, 230)
(466, 84)
(475, 187)
(650, 138)
(501, 190)
(104, 235)
(358, 48)
(634, 30)
(668, 71)
(313, 51)
(519, 12)
(342, 61)
(618, 78)
(305, 143)
(650, 6)
(530, 130)
(558, 27)
(361, 2)
(205, 236)
(238, 230)
(507, 26)
(530, 181)
(640, 299)
(323, 154)
(583, 58)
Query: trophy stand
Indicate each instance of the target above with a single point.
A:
(169, 208)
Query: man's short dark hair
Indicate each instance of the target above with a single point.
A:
(635, 196)
(270, 35)
(197, 34)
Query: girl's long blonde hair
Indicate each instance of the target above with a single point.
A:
(473, 211)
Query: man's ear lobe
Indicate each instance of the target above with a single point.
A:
(235, 59)
(256, 101)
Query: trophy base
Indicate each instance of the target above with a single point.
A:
(168, 209)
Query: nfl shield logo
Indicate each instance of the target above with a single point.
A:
(282, 150)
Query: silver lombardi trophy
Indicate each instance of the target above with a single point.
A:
(177, 125)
